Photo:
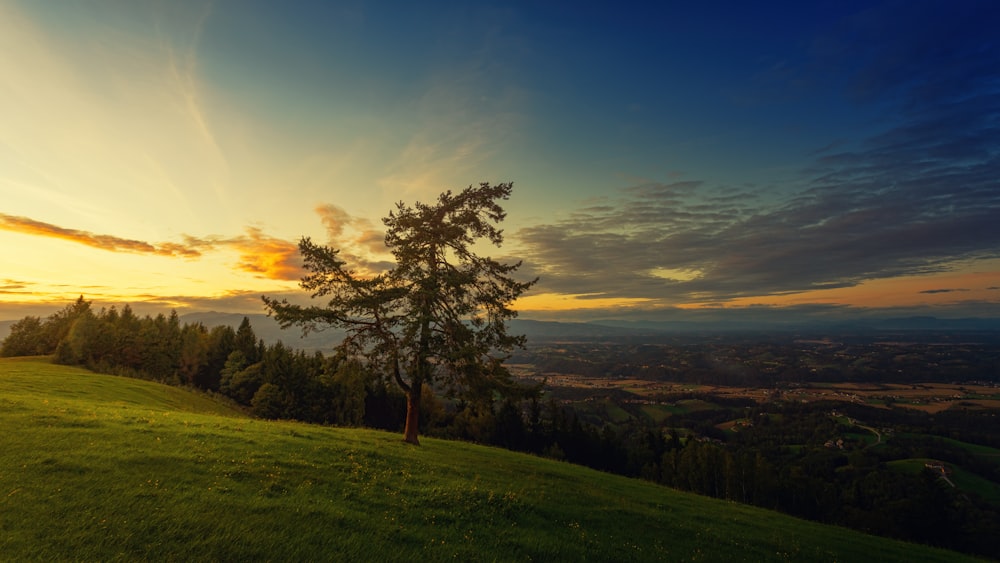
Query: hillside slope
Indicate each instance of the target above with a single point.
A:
(96, 467)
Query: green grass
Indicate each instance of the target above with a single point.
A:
(983, 452)
(975, 449)
(655, 413)
(968, 481)
(963, 480)
(910, 466)
(615, 413)
(97, 467)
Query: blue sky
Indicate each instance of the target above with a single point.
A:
(840, 157)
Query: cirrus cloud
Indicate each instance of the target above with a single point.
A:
(919, 197)
(259, 254)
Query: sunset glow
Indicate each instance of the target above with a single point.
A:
(664, 159)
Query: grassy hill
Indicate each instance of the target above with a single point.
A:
(96, 467)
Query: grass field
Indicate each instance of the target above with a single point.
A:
(962, 479)
(96, 467)
(987, 452)
(655, 413)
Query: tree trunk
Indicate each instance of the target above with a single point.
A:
(412, 415)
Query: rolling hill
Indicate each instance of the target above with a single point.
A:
(97, 467)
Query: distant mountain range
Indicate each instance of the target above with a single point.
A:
(5, 328)
(270, 331)
(267, 328)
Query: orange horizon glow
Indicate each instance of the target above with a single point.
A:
(556, 302)
(928, 290)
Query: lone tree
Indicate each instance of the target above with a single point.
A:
(438, 316)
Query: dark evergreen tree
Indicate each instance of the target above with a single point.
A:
(221, 343)
(24, 339)
(193, 354)
(246, 342)
(439, 316)
(58, 325)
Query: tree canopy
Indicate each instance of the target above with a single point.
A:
(439, 316)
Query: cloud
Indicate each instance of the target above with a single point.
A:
(469, 110)
(126, 101)
(919, 197)
(359, 242)
(111, 243)
(335, 219)
(340, 225)
(864, 221)
(787, 315)
(259, 254)
(934, 291)
(14, 287)
(266, 256)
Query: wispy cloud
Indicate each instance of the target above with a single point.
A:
(9, 286)
(183, 74)
(112, 243)
(943, 290)
(337, 221)
(361, 244)
(120, 106)
(259, 254)
(266, 256)
(467, 112)
(917, 198)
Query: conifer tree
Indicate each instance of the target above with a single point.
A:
(439, 315)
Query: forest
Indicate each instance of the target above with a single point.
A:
(928, 477)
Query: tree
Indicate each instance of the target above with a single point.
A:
(81, 342)
(246, 342)
(57, 326)
(438, 316)
(24, 338)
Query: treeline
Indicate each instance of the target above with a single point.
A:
(271, 381)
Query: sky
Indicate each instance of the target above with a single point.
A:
(669, 159)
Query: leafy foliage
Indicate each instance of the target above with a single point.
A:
(438, 317)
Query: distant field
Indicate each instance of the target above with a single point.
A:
(656, 413)
(101, 468)
(928, 397)
(962, 479)
(967, 481)
(986, 452)
(977, 449)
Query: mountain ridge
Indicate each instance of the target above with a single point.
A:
(268, 329)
